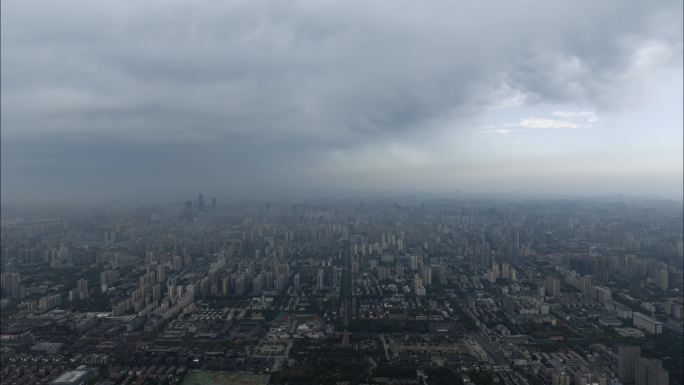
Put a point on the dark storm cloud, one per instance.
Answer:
(205, 90)
(83, 168)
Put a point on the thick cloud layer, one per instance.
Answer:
(115, 98)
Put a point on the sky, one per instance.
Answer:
(164, 99)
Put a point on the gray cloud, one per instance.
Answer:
(265, 92)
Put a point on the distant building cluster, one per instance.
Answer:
(469, 290)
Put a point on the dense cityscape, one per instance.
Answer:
(422, 290)
(341, 192)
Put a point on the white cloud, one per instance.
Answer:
(504, 131)
(561, 120)
(533, 122)
(587, 116)
(653, 54)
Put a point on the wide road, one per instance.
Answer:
(491, 349)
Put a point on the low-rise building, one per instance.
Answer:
(647, 323)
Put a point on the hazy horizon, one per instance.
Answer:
(160, 101)
(328, 197)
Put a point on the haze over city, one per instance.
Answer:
(329, 192)
(157, 100)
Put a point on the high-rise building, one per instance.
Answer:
(11, 285)
(526, 251)
(417, 282)
(413, 260)
(225, 286)
(280, 282)
(561, 378)
(505, 270)
(439, 274)
(239, 284)
(602, 293)
(585, 285)
(399, 269)
(268, 280)
(72, 295)
(490, 275)
(296, 283)
(105, 281)
(156, 292)
(82, 287)
(177, 263)
(627, 356)
(509, 304)
(649, 371)
(200, 202)
(319, 279)
(427, 275)
(161, 273)
(257, 285)
(662, 279)
(552, 286)
(541, 291)
(337, 276)
(418, 286)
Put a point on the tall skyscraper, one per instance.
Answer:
(200, 202)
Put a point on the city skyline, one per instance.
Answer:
(341, 192)
(467, 291)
